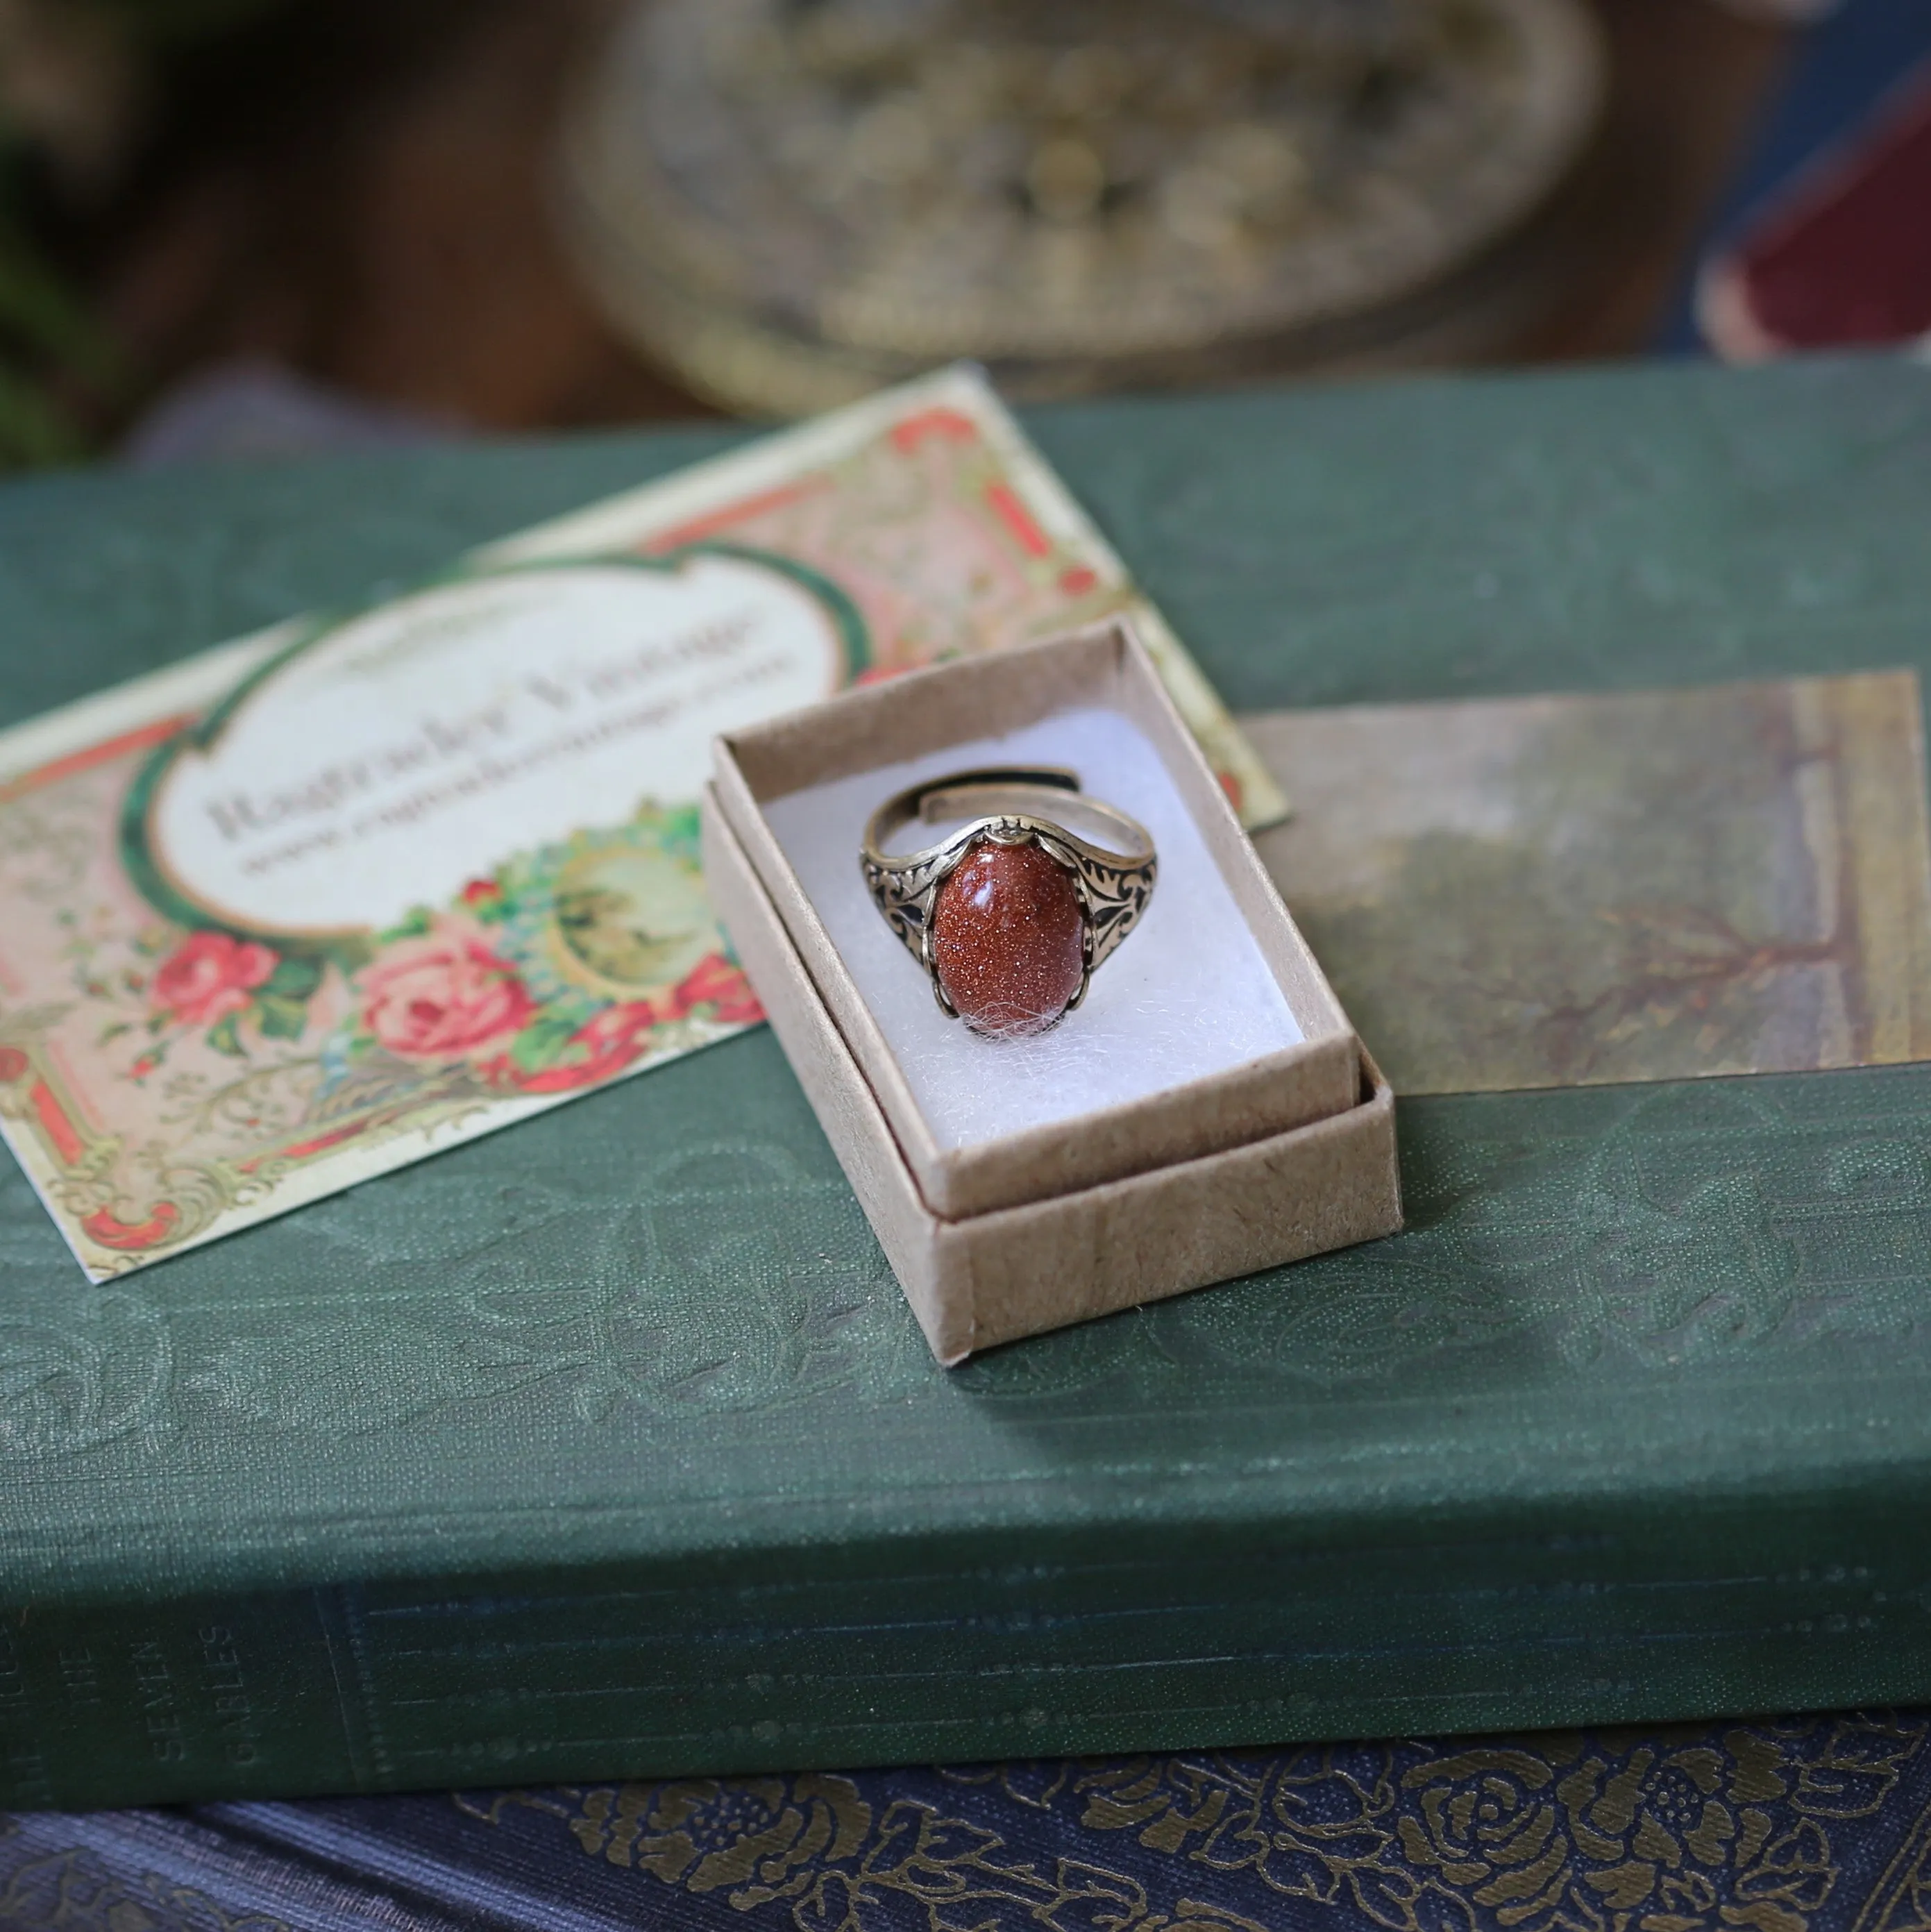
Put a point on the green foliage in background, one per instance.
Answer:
(49, 344)
(73, 74)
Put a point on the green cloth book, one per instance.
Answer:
(607, 1445)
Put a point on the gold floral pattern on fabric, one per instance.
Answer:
(1715, 1828)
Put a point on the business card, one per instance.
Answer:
(322, 902)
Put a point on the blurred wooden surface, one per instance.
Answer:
(1690, 81)
(361, 193)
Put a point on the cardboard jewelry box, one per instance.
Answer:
(1208, 1112)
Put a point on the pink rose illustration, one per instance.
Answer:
(209, 976)
(444, 995)
(715, 982)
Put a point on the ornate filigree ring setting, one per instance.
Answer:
(1013, 913)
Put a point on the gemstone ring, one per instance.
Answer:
(1012, 914)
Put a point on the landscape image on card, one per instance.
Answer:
(1571, 890)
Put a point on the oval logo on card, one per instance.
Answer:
(382, 761)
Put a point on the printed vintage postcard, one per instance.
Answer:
(315, 905)
(1657, 885)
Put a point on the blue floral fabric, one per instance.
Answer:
(1813, 1824)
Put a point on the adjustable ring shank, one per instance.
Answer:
(1047, 793)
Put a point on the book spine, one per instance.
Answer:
(155, 1701)
(965, 1648)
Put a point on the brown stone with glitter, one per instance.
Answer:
(1008, 939)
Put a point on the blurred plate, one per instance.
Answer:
(793, 201)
